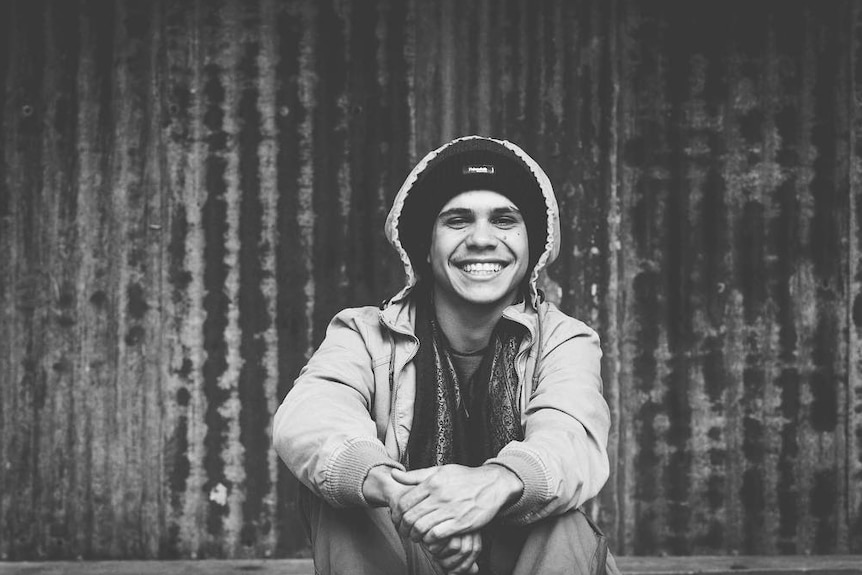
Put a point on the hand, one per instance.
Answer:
(458, 554)
(451, 500)
(380, 489)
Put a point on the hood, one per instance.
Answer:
(552, 244)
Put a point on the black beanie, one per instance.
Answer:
(466, 165)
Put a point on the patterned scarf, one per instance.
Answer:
(463, 422)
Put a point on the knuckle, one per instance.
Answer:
(449, 563)
(421, 525)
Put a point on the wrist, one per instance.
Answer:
(377, 487)
(509, 485)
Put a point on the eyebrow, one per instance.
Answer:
(508, 210)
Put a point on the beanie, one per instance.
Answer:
(467, 165)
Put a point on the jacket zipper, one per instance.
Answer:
(394, 388)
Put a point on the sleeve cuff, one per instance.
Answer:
(531, 471)
(348, 469)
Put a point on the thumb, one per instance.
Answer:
(414, 477)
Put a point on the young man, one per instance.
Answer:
(459, 427)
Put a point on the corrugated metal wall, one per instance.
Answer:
(190, 190)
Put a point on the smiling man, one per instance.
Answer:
(460, 426)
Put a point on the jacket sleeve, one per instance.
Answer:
(563, 460)
(323, 429)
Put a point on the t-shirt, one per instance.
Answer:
(466, 365)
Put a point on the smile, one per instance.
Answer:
(483, 268)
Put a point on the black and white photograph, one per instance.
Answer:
(430, 287)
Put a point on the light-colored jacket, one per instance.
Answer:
(351, 408)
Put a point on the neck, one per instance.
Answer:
(468, 327)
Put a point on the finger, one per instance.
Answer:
(407, 501)
(450, 563)
(451, 546)
(414, 477)
(474, 554)
(468, 560)
(423, 524)
(409, 519)
(463, 566)
(437, 549)
(443, 530)
(445, 549)
(422, 518)
(461, 546)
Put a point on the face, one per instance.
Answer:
(479, 252)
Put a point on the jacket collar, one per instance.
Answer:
(399, 313)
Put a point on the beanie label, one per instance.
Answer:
(478, 169)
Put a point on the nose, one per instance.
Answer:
(482, 236)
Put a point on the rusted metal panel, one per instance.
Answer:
(736, 181)
(190, 190)
(853, 407)
(97, 302)
(27, 295)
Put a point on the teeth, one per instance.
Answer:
(482, 268)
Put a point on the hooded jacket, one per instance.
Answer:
(351, 408)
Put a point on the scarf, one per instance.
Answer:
(463, 422)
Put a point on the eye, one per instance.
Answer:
(456, 222)
(506, 221)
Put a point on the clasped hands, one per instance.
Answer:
(443, 508)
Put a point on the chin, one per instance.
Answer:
(486, 298)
